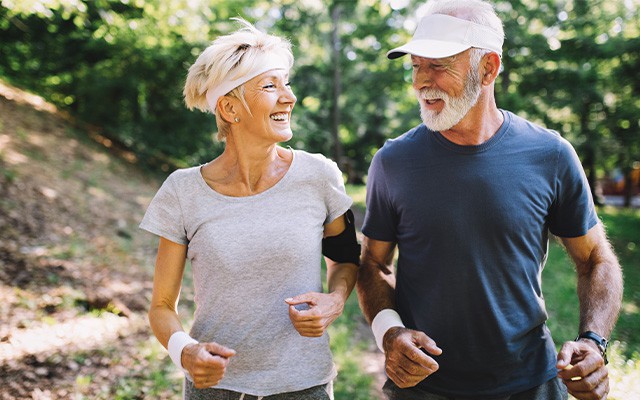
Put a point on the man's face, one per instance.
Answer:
(447, 89)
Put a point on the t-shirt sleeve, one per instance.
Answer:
(336, 198)
(164, 214)
(573, 212)
(380, 220)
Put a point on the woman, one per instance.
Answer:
(252, 222)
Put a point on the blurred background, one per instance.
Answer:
(92, 120)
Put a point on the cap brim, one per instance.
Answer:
(428, 49)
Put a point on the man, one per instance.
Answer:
(468, 198)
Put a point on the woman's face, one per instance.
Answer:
(271, 101)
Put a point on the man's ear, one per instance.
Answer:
(491, 63)
(228, 108)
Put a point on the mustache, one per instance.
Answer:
(426, 94)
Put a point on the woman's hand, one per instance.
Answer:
(206, 363)
(322, 309)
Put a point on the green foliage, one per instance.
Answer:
(570, 66)
(120, 65)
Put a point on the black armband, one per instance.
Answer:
(343, 248)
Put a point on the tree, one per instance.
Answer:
(120, 65)
(559, 69)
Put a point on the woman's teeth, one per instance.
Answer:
(279, 117)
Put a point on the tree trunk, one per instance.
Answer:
(628, 187)
(337, 84)
(589, 152)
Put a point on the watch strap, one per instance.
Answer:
(600, 341)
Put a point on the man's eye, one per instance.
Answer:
(288, 84)
(269, 86)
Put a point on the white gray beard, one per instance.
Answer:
(455, 108)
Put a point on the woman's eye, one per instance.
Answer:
(288, 84)
(269, 86)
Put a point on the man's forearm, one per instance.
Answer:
(600, 294)
(375, 287)
(599, 280)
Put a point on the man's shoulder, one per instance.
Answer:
(407, 140)
(530, 129)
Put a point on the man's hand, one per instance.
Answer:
(320, 311)
(406, 362)
(582, 369)
(206, 363)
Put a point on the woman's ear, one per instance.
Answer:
(228, 108)
(491, 68)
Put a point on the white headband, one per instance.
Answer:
(271, 62)
(440, 36)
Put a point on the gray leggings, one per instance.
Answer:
(551, 390)
(322, 392)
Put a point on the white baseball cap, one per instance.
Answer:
(440, 36)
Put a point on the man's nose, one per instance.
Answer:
(421, 78)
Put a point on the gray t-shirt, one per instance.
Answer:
(248, 254)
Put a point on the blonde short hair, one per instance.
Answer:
(230, 57)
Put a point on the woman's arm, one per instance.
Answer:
(205, 362)
(163, 316)
(324, 308)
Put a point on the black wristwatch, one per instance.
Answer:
(601, 342)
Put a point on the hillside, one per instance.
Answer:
(75, 271)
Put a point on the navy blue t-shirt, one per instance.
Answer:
(471, 224)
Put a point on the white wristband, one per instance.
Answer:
(178, 341)
(383, 321)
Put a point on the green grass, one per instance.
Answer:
(352, 382)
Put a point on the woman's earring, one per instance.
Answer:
(236, 119)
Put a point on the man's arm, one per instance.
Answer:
(376, 280)
(599, 280)
(600, 295)
(406, 363)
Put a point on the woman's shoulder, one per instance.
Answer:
(315, 162)
(183, 176)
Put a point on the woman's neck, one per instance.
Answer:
(247, 170)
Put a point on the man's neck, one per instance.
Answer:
(478, 126)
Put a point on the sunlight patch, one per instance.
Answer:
(84, 333)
